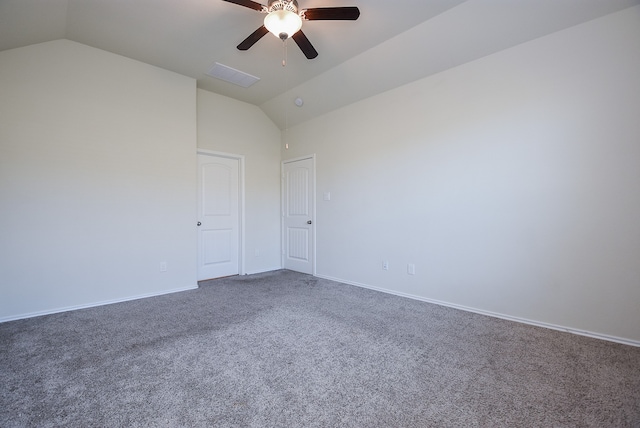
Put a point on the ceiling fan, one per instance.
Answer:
(284, 20)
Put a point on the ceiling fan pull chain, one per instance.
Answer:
(284, 52)
(286, 88)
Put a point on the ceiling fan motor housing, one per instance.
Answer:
(288, 5)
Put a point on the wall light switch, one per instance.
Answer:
(327, 196)
(163, 266)
(411, 269)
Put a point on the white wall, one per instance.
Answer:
(230, 126)
(512, 183)
(97, 179)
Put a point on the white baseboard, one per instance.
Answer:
(91, 305)
(489, 313)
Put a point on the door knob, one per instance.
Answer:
(199, 224)
(309, 222)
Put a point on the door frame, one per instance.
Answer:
(313, 213)
(241, 213)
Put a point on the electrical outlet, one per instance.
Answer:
(411, 269)
(163, 266)
(257, 252)
(385, 265)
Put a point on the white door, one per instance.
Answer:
(297, 212)
(218, 216)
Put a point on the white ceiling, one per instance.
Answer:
(393, 43)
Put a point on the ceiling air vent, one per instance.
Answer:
(232, 75)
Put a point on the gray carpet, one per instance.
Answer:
(284, 349)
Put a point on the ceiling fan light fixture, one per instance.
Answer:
(283, 23)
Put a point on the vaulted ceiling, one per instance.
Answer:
(393, 42)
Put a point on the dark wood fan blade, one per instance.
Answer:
(350, 13)
(253, 38)
(247, 3)
(305, 45)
